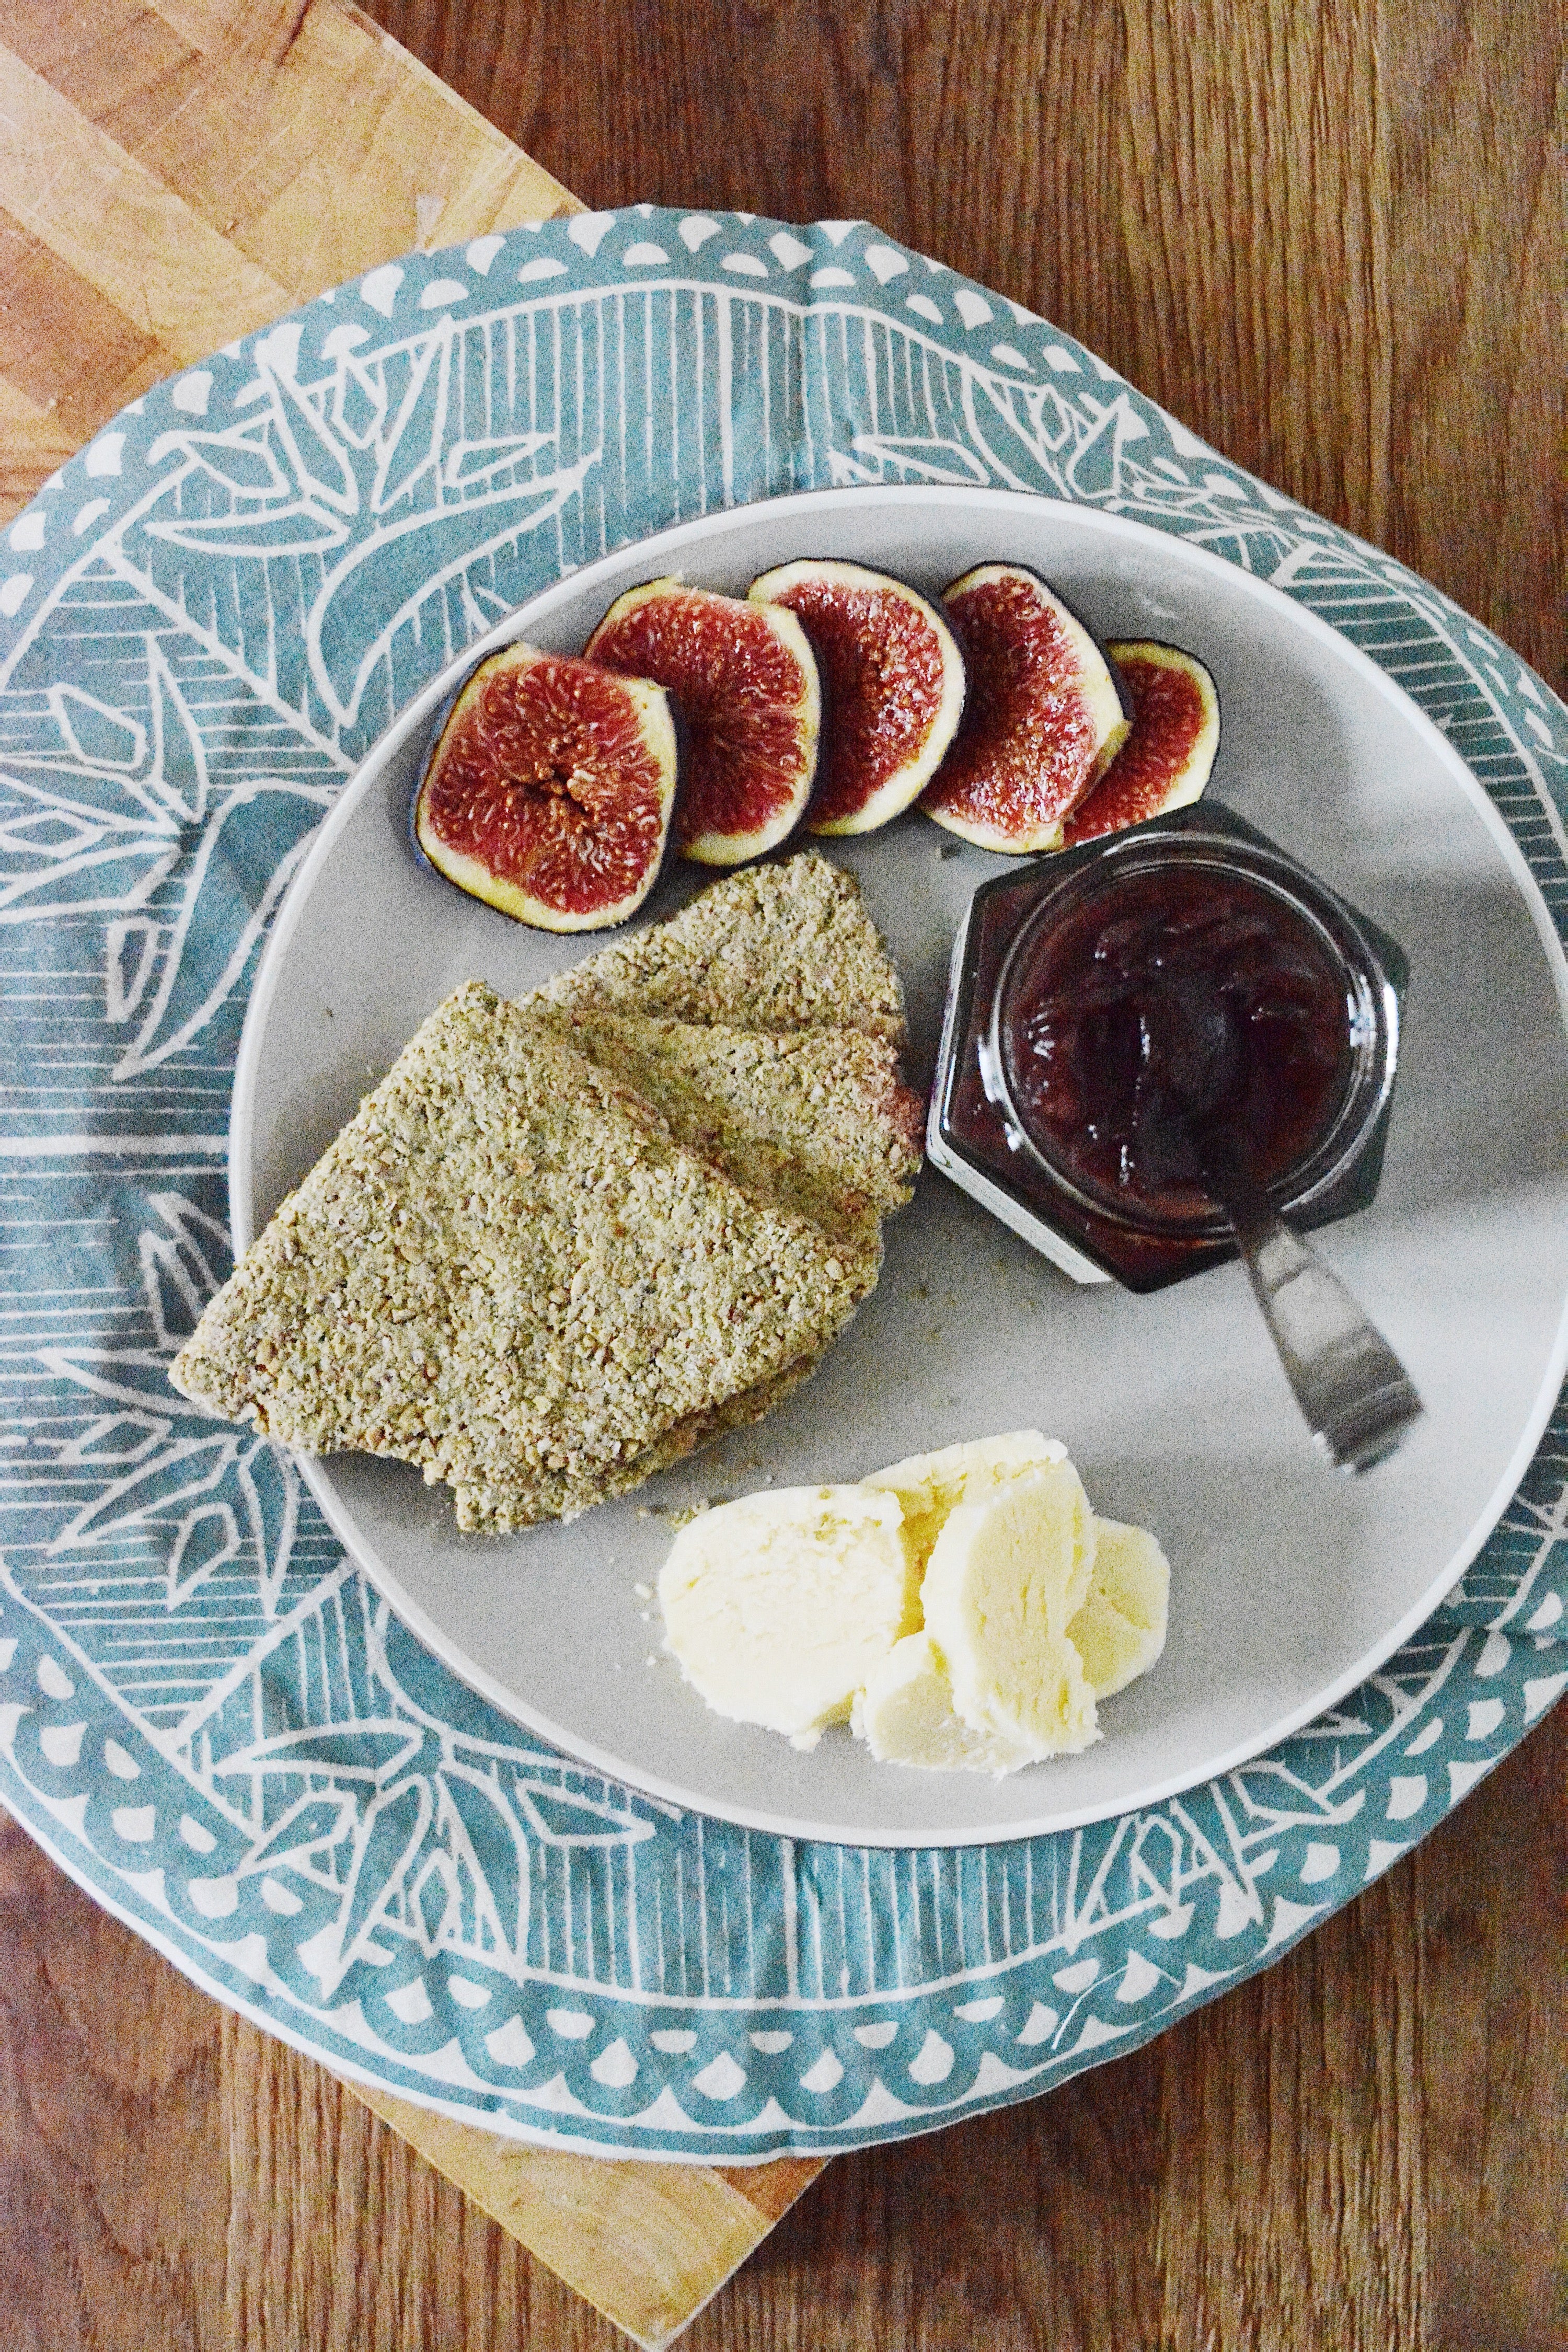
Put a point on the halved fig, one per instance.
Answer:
(1166, 758)
(745, 684)
(549, 794)
(894, 682)
(1044, 720)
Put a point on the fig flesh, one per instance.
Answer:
(1166, 760)
(1044, 720)
(549, 794)
(893, 685)
(745, 682)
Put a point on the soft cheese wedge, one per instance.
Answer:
(930, 1485)
(779, 1606)
(1121, 1629)
(987, 1647)
(906, 1715)
(1006, 1578)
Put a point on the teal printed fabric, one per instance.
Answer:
(206, 1713)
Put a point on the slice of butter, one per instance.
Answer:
(906, 1715)
(1005, 1580)
(929, 1486)
(1119, 1630)
(779, 1606)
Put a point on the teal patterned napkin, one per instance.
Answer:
(205, 1714)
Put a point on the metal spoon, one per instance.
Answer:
(1355, 1394)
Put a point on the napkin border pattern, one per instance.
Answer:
(205, 1714)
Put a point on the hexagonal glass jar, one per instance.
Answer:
(985, 1133)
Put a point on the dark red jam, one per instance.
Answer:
(1176, 999)
(1119, 1012)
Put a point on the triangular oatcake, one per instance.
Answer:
(783, 945)
(506, 1270)
(783, 952)
(816, 1121)
(813, 1121)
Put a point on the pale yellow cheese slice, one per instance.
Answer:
(1119, 1630)
(929, 1486)
(779, 1606)
(906, 1715)
(1005, 1580)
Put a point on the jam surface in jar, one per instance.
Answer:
(1176, 999)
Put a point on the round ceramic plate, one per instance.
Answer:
(1289, 1584)
(208, 1713)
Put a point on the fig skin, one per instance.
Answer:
(876, 756)
(1047, 713)
(549, 790)
(745, 687)
(1167, 759)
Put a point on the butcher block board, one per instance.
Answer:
(645, 2243)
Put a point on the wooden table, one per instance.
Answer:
(1321, 232)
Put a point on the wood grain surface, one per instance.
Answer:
(647, 2244)
(1359, 2151)
(172, 175)
(1326, 235)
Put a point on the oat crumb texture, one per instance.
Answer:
(779, 947)
(565, 1240)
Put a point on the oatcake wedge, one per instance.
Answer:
(817, 1121)
(785, 946)
(507, 1270)
(784, 954)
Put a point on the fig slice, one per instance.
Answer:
(1166, 758)
(1044, 720)
(745, 684)
(549, 794)
(894, 684)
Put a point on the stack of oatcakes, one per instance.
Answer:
(566, 1240)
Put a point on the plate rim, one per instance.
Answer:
(360, 786)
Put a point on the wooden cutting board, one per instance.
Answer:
(171, 176)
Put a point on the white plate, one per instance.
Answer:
(1290, 1585)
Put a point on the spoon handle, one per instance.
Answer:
(1354, 1392)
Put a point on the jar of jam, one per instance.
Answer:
(1106, 1004)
